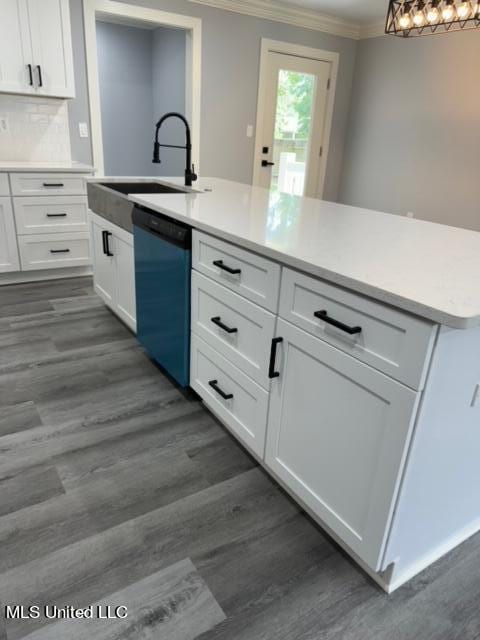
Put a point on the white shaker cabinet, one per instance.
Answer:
(337, 436)
(114, 268)
(16, 76)
(9, 260)
(36, 48)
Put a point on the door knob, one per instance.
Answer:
(266, 163)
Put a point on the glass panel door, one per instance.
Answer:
(292, 132)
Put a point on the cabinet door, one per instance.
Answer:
(52, 47)
(8, 239)
(125, 280)
(15, 47)
(103, 264)
(337, 437)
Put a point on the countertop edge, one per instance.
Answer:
(436, 316)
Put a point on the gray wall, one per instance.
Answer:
(414, 135)
(126, 98)
(168, 73)
(231, 54)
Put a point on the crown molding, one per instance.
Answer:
(290, 15)
(374, 30)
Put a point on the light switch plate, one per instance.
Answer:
(4, 124)
(250, 131)
(83, 129)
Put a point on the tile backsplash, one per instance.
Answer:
(34, 129)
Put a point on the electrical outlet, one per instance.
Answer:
(4, 124)
(250, 131)
(410, 214)
(83, 129)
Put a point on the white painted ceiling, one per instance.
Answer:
(359, 11)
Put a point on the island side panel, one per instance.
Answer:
(438, 506)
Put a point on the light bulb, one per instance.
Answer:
(404, 21)
(463, 10)
(433, 15)
(447, 12)
(418, 19)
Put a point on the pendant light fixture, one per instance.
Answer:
(424, 17)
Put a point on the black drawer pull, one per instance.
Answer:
(217, 320)
(56, 215)
(53, 184)
(30, 74)
(323, 315)
(273, 356)
(40, 78)
(59, 250)
(220, 265)
(215, 387)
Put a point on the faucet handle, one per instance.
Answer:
(193, 174)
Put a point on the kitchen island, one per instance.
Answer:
(352, 373)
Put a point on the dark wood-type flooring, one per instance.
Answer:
(118, 489)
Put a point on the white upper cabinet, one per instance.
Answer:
(36, 48)
(52, 47)
(16, 60)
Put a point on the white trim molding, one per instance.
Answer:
(296, 16)
(289, 48)
(110, 11)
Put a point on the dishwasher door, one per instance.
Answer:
(162, 282)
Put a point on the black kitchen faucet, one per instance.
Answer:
(190, 174)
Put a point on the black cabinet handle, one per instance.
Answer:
(216, 388)
(53, 184)
(59, 250)
(40, 79)
(323, 315)
(273, 356)
(220, 265)
(217, 320)
(266, 163)
(56, 215)
(30, 74)
(106, 246)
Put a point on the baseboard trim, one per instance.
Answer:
(21, 277)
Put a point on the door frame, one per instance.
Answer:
(118, 12)
(289, 48)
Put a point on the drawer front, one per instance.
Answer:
(54, 251)
(254, 277)
(42, 184)
(391, 341)
(237, 328)
(4, 188)
(57, 214)
(244, 409)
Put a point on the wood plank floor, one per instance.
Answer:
(118, 489)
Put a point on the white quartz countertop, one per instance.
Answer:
(428, 269)
(60, 167)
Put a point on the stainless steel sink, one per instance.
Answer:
(128, 188)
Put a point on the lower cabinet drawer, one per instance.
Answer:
(38, 184)
(237, 400)
(58, 250)
(240, 330)
(47, 214)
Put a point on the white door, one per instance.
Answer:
(337, 436)
(52, 47)
(290, 140)
(103, 264)
(8, 238)
(16, 62)
(125, 280)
